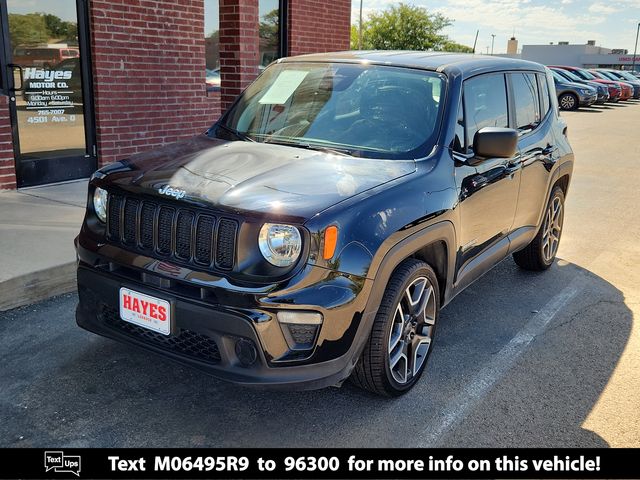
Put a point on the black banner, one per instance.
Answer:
(318, 463)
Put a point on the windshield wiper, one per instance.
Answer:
(345, 152)
(242, 136)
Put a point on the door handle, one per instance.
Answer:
(13, 67)
(548, 150)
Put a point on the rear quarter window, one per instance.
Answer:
(545, 100)
(526, 100)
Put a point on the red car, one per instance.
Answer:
(616, 90)
(627, 89)
(46, 57)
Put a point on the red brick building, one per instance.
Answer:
(87, 82)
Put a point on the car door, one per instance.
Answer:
(534, 120)
(488, 188)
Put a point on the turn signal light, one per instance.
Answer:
(330, 241)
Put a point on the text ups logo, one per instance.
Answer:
(59, 462)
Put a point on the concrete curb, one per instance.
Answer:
(36, 286)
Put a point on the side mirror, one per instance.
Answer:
(495, 142)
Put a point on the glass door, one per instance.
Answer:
(48, 78)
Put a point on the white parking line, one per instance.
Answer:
(486, 378)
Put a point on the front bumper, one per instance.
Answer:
(602, 98)
(588, 99)
(614, 96)
(208, 322)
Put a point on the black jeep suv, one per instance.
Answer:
(316, 230)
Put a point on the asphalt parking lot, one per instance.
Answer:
(520, 359)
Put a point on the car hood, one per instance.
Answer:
(608, 82)
(594, 84)
(579, 85)
(256, 178)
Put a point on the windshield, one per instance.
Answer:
(584, 74)
(558, 76)
(609, 75)
(361, 110)
(627, 75)
(572, 76)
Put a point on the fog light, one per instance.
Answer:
(246, 352)
(300, 328)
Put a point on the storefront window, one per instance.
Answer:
(212, 44)
(269, 49)
(269, 31)
(49, 103)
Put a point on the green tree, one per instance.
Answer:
(406, 27)
(268, 32)
(268, 28)
(27, 29)
(354, 37)
(58, 28)
(449, 46)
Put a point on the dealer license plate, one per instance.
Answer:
(145, 311)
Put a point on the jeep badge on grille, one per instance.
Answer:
(172, 192)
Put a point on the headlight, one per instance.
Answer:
(100, 204)
(279, 244)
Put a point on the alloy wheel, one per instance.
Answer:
(552, 229)
(568, 102)
(411, 330)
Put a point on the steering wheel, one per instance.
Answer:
(373, 132)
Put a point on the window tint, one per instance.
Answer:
(544, 94)
(525, 95)
(458, 139)
(485, 103)
(371, 111)
(557, 76)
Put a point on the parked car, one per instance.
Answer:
(615, 89)
(616, 75)
(603, 91)
(45, 57)
(573, 95)
(627, 89)
(314, 233)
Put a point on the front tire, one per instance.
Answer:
(397, 350)
(568, 101)
(541, 252)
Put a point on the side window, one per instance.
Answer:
(458, 139)
(485, 103)
(545, 101)
(525, 95)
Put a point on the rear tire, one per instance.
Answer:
(541, 252)
(397, 350)
(568, 101)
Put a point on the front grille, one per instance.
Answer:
(186, 343)
(183, 234)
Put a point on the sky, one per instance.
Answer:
(65, 9)
(611, 23)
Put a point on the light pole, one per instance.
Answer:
(360, 28)
(635, 51)
(493, 39)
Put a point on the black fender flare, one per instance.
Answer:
(385, 266)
